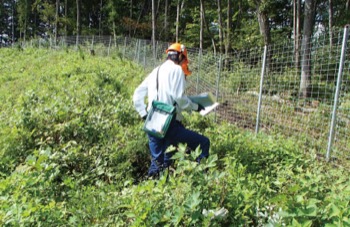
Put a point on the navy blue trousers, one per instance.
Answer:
(176, 134)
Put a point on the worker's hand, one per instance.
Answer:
(200, 108)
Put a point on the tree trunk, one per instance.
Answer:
(130, 16)
(297, 31)
(78, 21)
(166, 24)
(305, 82)
(25, 21)
(201, 26)
(228, 29)
(221, 37)
(56, 20)
(66, 17)
(138, 19)
(153, 29)
(207, 27)
(12, 22)
(100, 20)
(330, 23)
(264, 27)
(177, 20)
(114, 31)
(35, 22)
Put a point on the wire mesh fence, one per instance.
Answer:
(255, 87)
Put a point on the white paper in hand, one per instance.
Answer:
(208, 109)
(207, 100)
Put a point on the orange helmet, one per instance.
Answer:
(180, 48)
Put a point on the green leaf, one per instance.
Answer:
(334, 211)
(331, 225)
(193, 201)
(279, 198)
(310, 211)
(306, 223)
(177, 216)
(346, 221)
(295, 223)
(211, 162)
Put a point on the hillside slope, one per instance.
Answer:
(72, 153)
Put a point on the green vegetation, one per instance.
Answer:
(72, 154)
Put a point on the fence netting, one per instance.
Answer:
(236, 80)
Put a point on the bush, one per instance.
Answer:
(73, 153)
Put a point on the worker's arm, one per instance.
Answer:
(139, 98)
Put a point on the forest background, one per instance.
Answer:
(222, 25)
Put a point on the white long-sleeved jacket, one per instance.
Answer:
(171, 88)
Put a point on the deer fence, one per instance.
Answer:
(258, 88)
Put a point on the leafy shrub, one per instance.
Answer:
(73, 153)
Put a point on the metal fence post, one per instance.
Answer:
(155, 49)
(136, 58)
(336, 97)
(109, 45)
(144, 55)
(124, 48)
(77, 42)
(261, 90)
(218, 80)
(199, 69)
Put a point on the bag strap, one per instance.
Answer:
(158, 84)
(157, 81)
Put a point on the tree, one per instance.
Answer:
(250, 22)
(263, 20)
(309, 23)
(78, 32)
(296, 32)
(205, 23)
(228, 28)
(221, 36)
(201, 25)
(6, 21)
(56, 19)
(100, 19)
(341, 13)
(13, 3)
(3, 15)
(65, 17)
(153, 29)
(23, 11)
(330, 22)
(166, 23)
(177, 24)
(112, 15)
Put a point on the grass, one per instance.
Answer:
(73, 153)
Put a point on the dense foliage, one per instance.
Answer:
(72, 153)
(238, 20)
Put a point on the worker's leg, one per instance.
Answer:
(179, 134)
(157, 148)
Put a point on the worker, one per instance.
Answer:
(171, 88)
